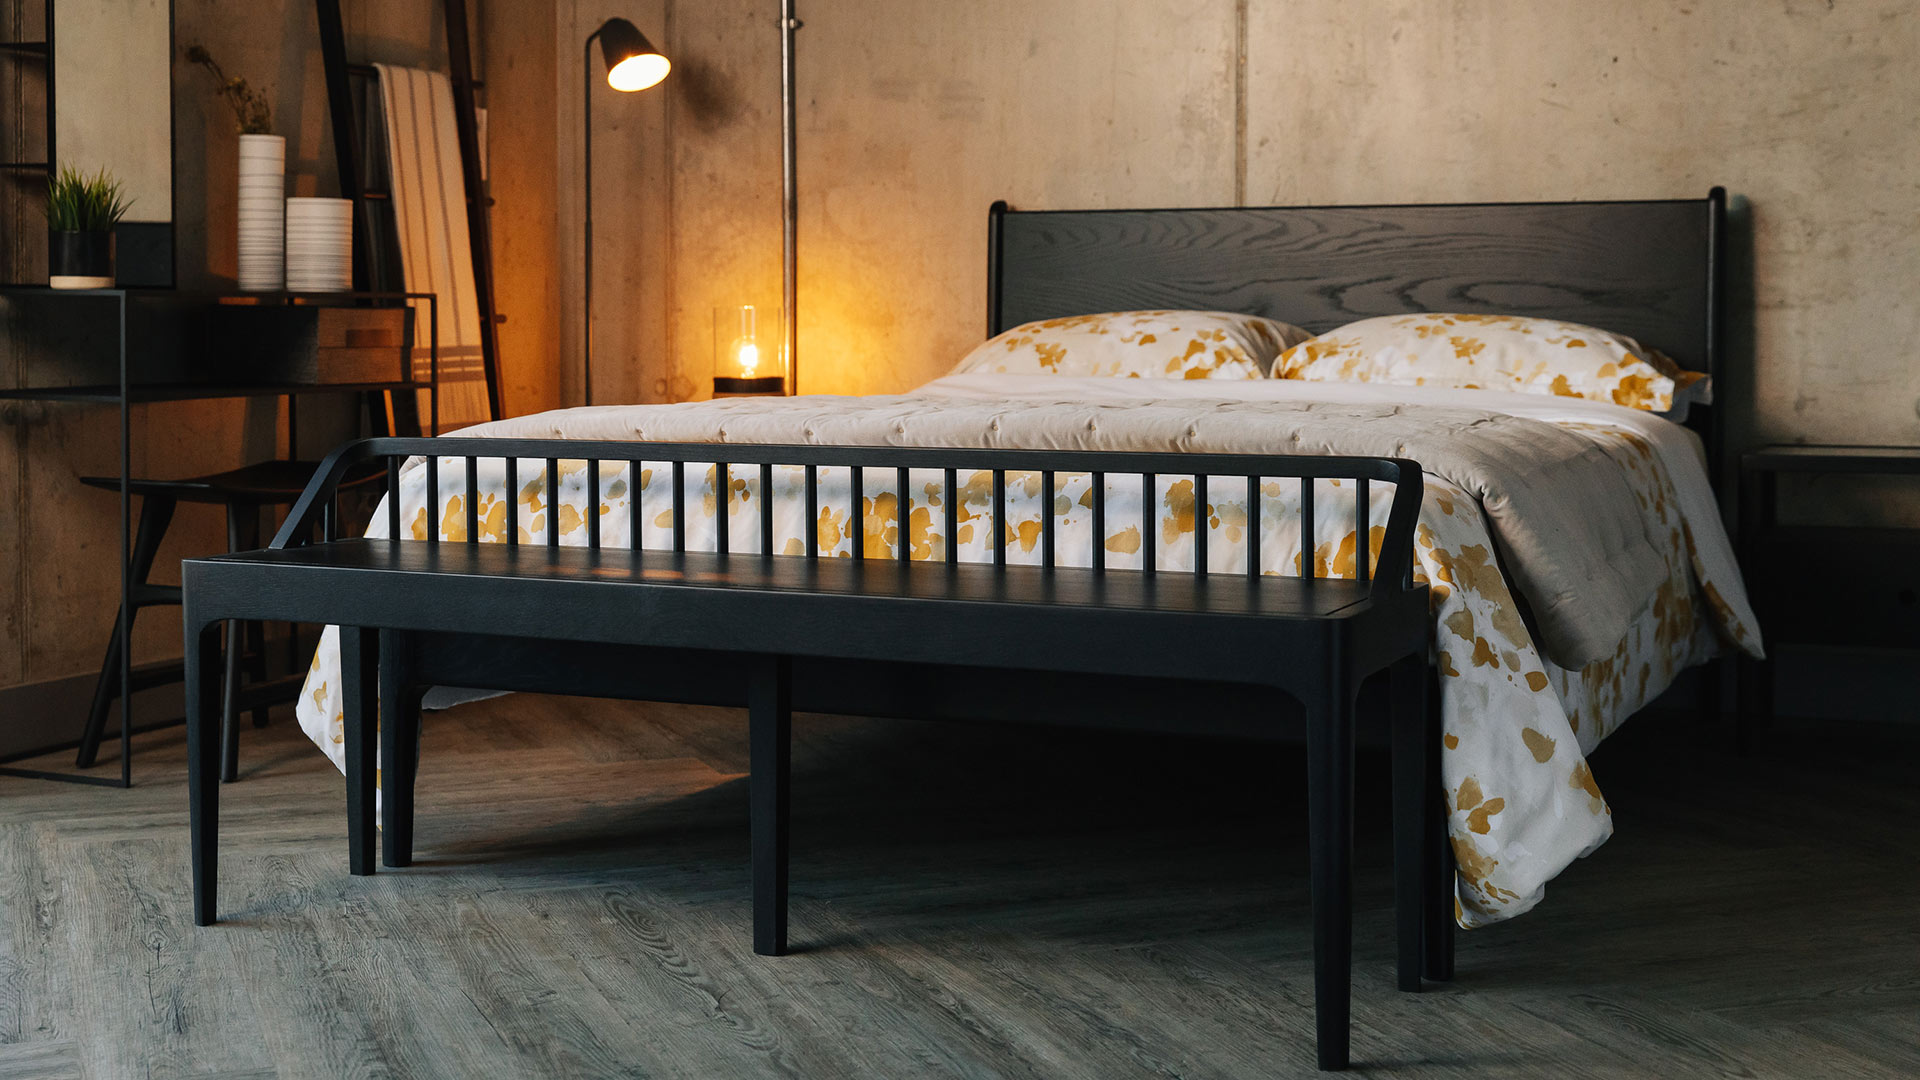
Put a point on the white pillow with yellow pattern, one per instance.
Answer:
(1138, 345)
(1497, 352)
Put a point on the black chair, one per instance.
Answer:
(245, 492)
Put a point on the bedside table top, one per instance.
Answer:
(1786, 457)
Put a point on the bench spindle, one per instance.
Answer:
(903, 511)
(1149, 522)
(1253, 527)
(766, 509)
(433, 499)
(1200, 528)
(593, 503)
(1306, 527)
(1046, 519)
(952, 507)
(857, 513)
(722, 511)
(680, 507)
(812, 527)
(513, 501)
(1097, 558)
(393, 498)
(999, 537)
(636, 521)
(473, 500)
(553, 502)
(1362, 547)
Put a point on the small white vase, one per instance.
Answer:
(263, 208)
(319, 245)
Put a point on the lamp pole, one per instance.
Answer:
(586, 142)
(632, 64)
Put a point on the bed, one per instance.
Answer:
(1528, 684)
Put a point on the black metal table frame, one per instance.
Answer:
(127, 394)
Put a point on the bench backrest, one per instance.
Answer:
(319, 504)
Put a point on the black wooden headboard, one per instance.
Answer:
(1653, 270)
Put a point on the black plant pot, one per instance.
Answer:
(80, 260)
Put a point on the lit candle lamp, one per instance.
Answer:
(739, 365)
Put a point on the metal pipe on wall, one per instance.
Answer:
(789, 204)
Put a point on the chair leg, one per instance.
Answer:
(360, 686)
(399, 748)
(1330, 838)
(1437, 863)
(1412, 809)
(203, 749)
(156, 513)
(770, 726)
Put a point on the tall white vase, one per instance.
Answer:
(263, 208)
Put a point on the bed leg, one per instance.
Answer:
(1412, 813)
(770, 726)
(1330, 837)
(203, 766)
(399, 748)
(360, 686)
(1437, 860)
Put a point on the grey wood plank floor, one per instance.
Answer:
(975, 902)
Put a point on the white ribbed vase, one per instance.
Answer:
(263, 209)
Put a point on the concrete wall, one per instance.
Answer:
(58, 545)
(915, 115)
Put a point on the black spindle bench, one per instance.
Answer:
(1247, 655)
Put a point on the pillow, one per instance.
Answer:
(1495, 352)
(1139, 345)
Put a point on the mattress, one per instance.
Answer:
(1574, 549)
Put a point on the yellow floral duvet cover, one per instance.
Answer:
(1517, 727)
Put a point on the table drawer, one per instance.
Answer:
(1837, 586)
(313, 344)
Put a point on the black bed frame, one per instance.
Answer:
(1651, 270)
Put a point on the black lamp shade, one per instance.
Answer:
(632, 61)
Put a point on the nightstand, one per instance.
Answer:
(1831, 585)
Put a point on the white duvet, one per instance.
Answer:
(1601, 515)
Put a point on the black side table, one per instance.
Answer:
(1834, 585)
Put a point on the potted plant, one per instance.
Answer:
(262, 184)
(81, 213)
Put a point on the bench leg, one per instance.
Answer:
(360, 686)
(1413, 807)
(399, 748)
(1437, 860)
(203, 765)
(770, 726)
(1330, 837)
(229, 694)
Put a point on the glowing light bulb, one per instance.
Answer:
(748, 358)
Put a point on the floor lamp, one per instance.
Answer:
(632, 64)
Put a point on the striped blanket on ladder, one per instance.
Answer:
(430, 219)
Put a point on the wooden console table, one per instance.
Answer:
(125, 347)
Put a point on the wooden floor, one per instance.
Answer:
(967, 902)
